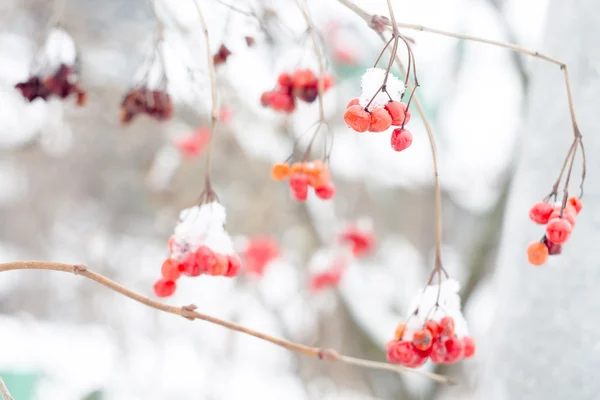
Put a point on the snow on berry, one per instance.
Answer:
(200, 245)
(371, 82)
(435, 329)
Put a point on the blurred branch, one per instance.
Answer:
(4, 393)
(190, 313)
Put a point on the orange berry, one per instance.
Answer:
(314, 168)
(280, 171)
(297, 168)
(170, 269)
(399, 331)
(221, 266)
(558, 230)
(357, 118)
(320, 180)
(399, 112)
(537, 253)
(576, 203)
(423, 339)
(380, 120)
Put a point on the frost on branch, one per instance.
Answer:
(435, 329)
(54, 70)
(371, 83)
(200, 245)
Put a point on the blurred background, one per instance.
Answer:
(78, 187)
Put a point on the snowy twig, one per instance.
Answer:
(214, 101)
(190, 313)
(4, 393)
(370, 19)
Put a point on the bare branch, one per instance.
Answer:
(190, 313)
(4, 393)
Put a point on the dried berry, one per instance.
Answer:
(380, 120)
(399, 112)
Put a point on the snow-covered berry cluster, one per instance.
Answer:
(302, 175)
(200, 245)
(435, 330)
(156, 104)
(54, 73)
(303, 84)
(559, 225)
(379, 107)
(353, 242)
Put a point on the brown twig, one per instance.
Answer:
(214, 100)
(190, 313)
(4, 393)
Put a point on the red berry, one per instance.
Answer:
(454, 350)
(327, 82)
(353, 102)
(357, 118)
(205, 259)
(558, 230)
(285, 81)
(422, 339)
(361, 242)
(469, 346)
(281, 101)
(380, 120)
(540, 212)
(234, 265)
(190, 265)
(266, 98)
(325, 192)
(438, 352)
(221, 265)
(446, 328)
(164, 287)
(170, 269)
(299, 186)
(569, 216)
(326, 279)
(398, 111)
(434, 328)
(553, 248)
(576, 203)
(303, 78)
(401, 139)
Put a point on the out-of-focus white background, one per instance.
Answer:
(75, 186)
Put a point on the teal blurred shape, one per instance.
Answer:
(22, 385)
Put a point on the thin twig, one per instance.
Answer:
(214, 100)
(190, 313)
(4, 393)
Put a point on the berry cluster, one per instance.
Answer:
(303, 84)
(435, 329)
(303, 175)
(360, 240)
(155, 103)
(259, 252)
(436, 340)
(199, 246)
(62, 83)
(374, 113)
(559, 225)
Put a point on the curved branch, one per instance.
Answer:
(190, 313)
(4, 393)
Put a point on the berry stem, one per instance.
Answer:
(562, 171)
(4, 393)
(190, 313)
(213, 90)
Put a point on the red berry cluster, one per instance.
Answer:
(436, 340)
(303, 175)
(155, 103)
(259, 252)
(62, 83)
(395, 113)
(303, 84)
(361, 241)
(202, 261)
(559, 225)
(193, 145)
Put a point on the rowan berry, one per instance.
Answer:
(170, 269)
(558, 230)
(469, 346)
(206, 259)
(400, 331)
(164, 287)
(446, 327)
(357, 118)
(434, 328)
(568, 215)
(537, 253)
(299, 186)
(553, 248)
(221, 265)
(401, 139)
(380, 120)
(576, 203)
(353, 102)
(285, 80)
(190, 265)
(540, 212)
(297, 167)
(403, 353)
(438, 352)
(280, 171)
(454, 350)
(423, 339)
(399, 112)
(320, 180)
(325, 192)
(234, 265)
(303, 78)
